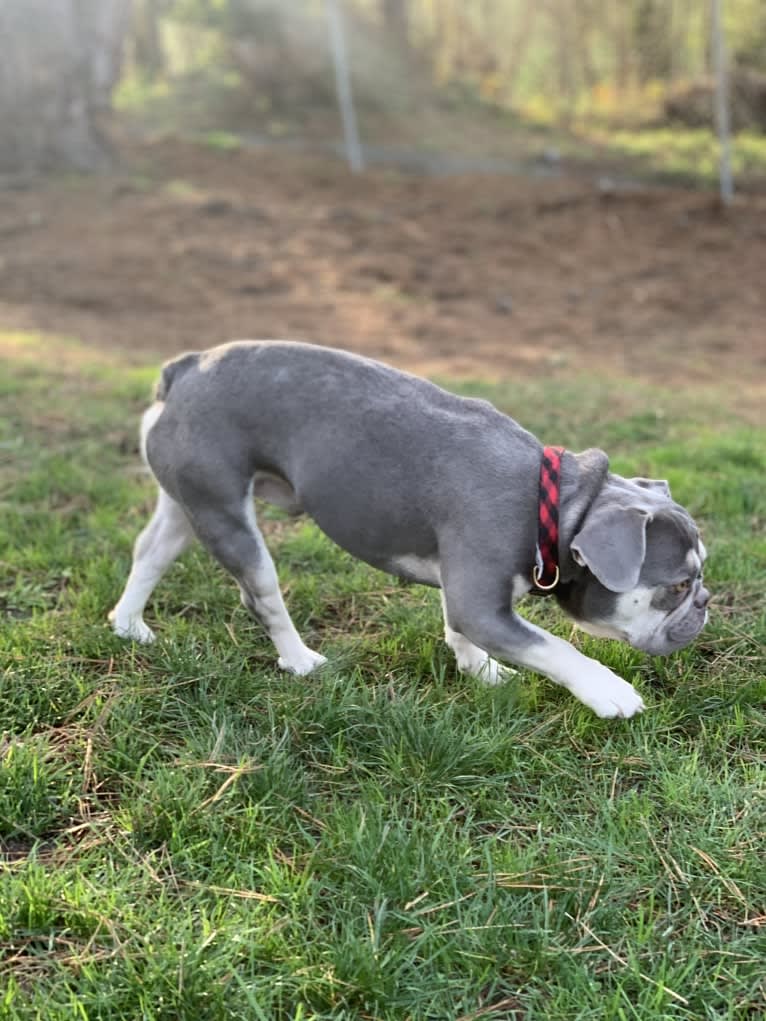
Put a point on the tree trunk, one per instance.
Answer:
(520, 39)
(620, 41)
(652, 39)
(396, 19)
(562, 12)
(61, 59)
(148, 52)
(583, 22)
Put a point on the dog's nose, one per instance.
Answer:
(701, 598)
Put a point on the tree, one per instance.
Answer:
(653, 39)
(146, 36)
(61, 60)
(396, 19)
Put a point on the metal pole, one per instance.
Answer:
(721, 102)
(343, 86)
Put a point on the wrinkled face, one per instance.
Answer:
(668, 607)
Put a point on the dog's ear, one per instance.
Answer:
(612, 545)
(656, 485)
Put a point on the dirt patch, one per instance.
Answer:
(482, 276)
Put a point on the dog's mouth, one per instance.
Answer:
(678, 631)
(671, 632)
(637, 620)
(687, 629)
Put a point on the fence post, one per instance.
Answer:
(718, 45)
(343, 86)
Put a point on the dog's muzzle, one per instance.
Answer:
(682, 625)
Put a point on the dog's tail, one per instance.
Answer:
(173, 370)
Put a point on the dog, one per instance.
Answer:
(435, 488)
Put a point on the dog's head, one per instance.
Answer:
(635, 568)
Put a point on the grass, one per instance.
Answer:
(686, 154)
(189, 834)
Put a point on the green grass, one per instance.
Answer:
(687, 154)
(188, 834)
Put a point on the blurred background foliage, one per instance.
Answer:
(634, 62)
(427, 74)
(484, 80)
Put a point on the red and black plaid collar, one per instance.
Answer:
(545, 574)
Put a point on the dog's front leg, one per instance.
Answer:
(470, 658)
(483, 620)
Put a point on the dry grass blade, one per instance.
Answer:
(235, 774)
(510, 1004)
(621, 961)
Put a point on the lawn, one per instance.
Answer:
(187, 833)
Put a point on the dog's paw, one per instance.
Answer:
(613, 699)
(132, 628)
(302, 662)
(492, 673)
(476, 662)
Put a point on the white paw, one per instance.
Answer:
(303, 662)
(132, 628)
(612, 698)
(488, 671)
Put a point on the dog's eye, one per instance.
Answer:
(682, 586)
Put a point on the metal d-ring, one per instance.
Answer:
(536, 579)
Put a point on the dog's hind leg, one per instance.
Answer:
(229, 531)
(164, 539)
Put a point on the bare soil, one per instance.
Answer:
(487, 277)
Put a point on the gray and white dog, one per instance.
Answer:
(414, 480)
